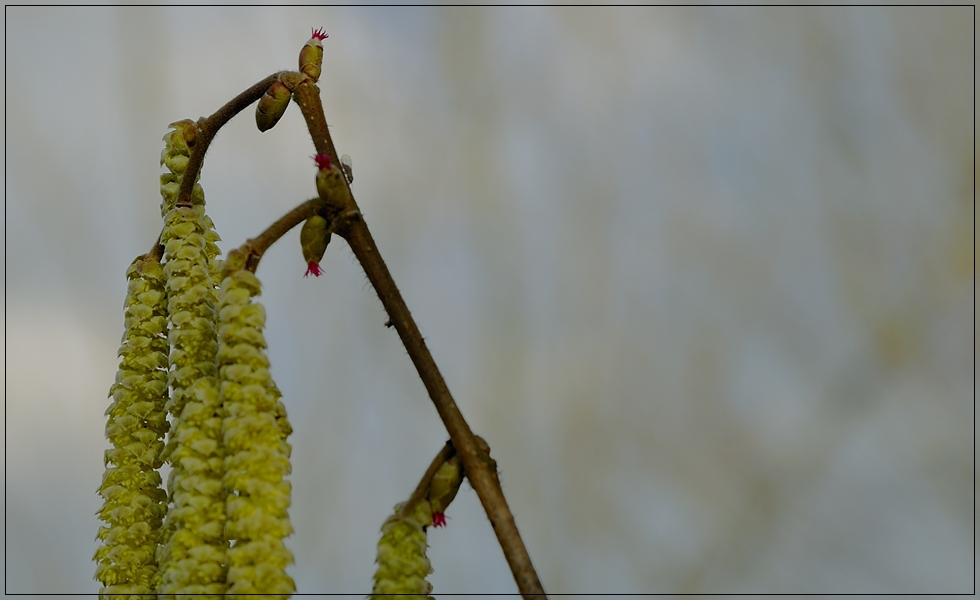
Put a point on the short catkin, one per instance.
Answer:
(402, 563)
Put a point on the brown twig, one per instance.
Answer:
(479, 467)
(207, 128)
(255, 247)
(307, 96)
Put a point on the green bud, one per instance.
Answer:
(272, 105)
(311, 56)
(443, 488)
(313, 239)
(330, 182)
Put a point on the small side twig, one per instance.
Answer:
(255, 247)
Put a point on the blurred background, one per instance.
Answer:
(703, 278)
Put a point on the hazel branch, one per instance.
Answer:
(208, 128)
(479, 467)
(347, 222)
(307, 96)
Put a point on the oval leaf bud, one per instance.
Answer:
(272, 105)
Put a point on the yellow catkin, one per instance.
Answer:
(255, 430)
(193, 557)
(134, 502)
(402, 563)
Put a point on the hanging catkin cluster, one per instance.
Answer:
(134, 503)
(194, 350)
(227, 446)
(254, 431)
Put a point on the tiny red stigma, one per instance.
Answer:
(322, 161)
(320, 34)
(314, 269)
(438, 519)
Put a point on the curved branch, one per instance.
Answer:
(207, 128)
